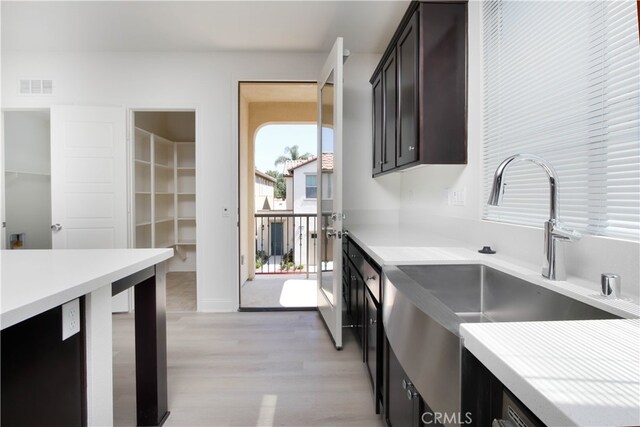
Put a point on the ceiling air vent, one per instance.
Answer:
(36, 87)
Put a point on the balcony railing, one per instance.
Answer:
(286, 243)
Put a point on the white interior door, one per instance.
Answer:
(89, 181)
(329, 198)
(3, 225)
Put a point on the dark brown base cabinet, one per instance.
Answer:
(43, 376)
(362, 300)
(403, 406)
(420, 90)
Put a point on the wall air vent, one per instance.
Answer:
(36, 87)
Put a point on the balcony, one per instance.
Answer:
(286, 254)
(287, 243)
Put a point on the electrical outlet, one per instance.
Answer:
(70, 318)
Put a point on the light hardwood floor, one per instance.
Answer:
(251, 369)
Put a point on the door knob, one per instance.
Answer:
(56, 227)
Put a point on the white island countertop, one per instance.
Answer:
(583, 373)
(33, 281)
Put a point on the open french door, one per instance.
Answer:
(329, 260)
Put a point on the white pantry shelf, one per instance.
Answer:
(165, 205)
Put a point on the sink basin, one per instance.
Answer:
(476, 293)
(424, 306)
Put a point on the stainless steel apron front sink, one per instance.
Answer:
(424, 306)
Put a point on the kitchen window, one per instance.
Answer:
(561, 80)
(311, 187)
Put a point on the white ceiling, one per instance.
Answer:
(292, 26)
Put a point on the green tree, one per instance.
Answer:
(281, 187)
(293, 154)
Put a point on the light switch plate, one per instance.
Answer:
(70, 318)
(457, 197)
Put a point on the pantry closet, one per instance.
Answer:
(165, 196)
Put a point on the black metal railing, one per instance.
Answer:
(286, 243)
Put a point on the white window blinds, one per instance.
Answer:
(561, 80)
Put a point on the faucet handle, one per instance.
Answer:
(611, 285)
(559, 232)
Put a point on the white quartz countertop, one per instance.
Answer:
(584, 373)
(568, 372)
(33, 281)
(396, 245)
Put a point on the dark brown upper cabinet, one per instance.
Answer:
(377, 125)
(390, 89)
(420, 110)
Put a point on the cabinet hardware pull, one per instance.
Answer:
(371, 278)
(372, 321)
(411, 148)
(411, 393)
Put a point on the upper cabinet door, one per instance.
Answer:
(389, 78)
(407, 51)
(377, 125)
(88, 178)
(443, 96)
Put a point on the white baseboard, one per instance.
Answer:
(217, 305)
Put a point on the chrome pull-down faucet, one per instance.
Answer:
(553, 264)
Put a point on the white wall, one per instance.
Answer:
(206, 82)
(264, 189)
(302, 205)
(28, 180)
(365, 200)
(423, 202)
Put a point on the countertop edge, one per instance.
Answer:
(47, 302)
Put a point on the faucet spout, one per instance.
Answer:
(497, 189)
(553, 266)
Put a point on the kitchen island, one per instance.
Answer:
(47, 377)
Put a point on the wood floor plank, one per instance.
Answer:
(250, 369)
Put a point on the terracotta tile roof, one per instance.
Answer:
(327, 163)
(292, 164)
(265, 176)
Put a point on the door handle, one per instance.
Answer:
(336, 234)
(56, 227)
